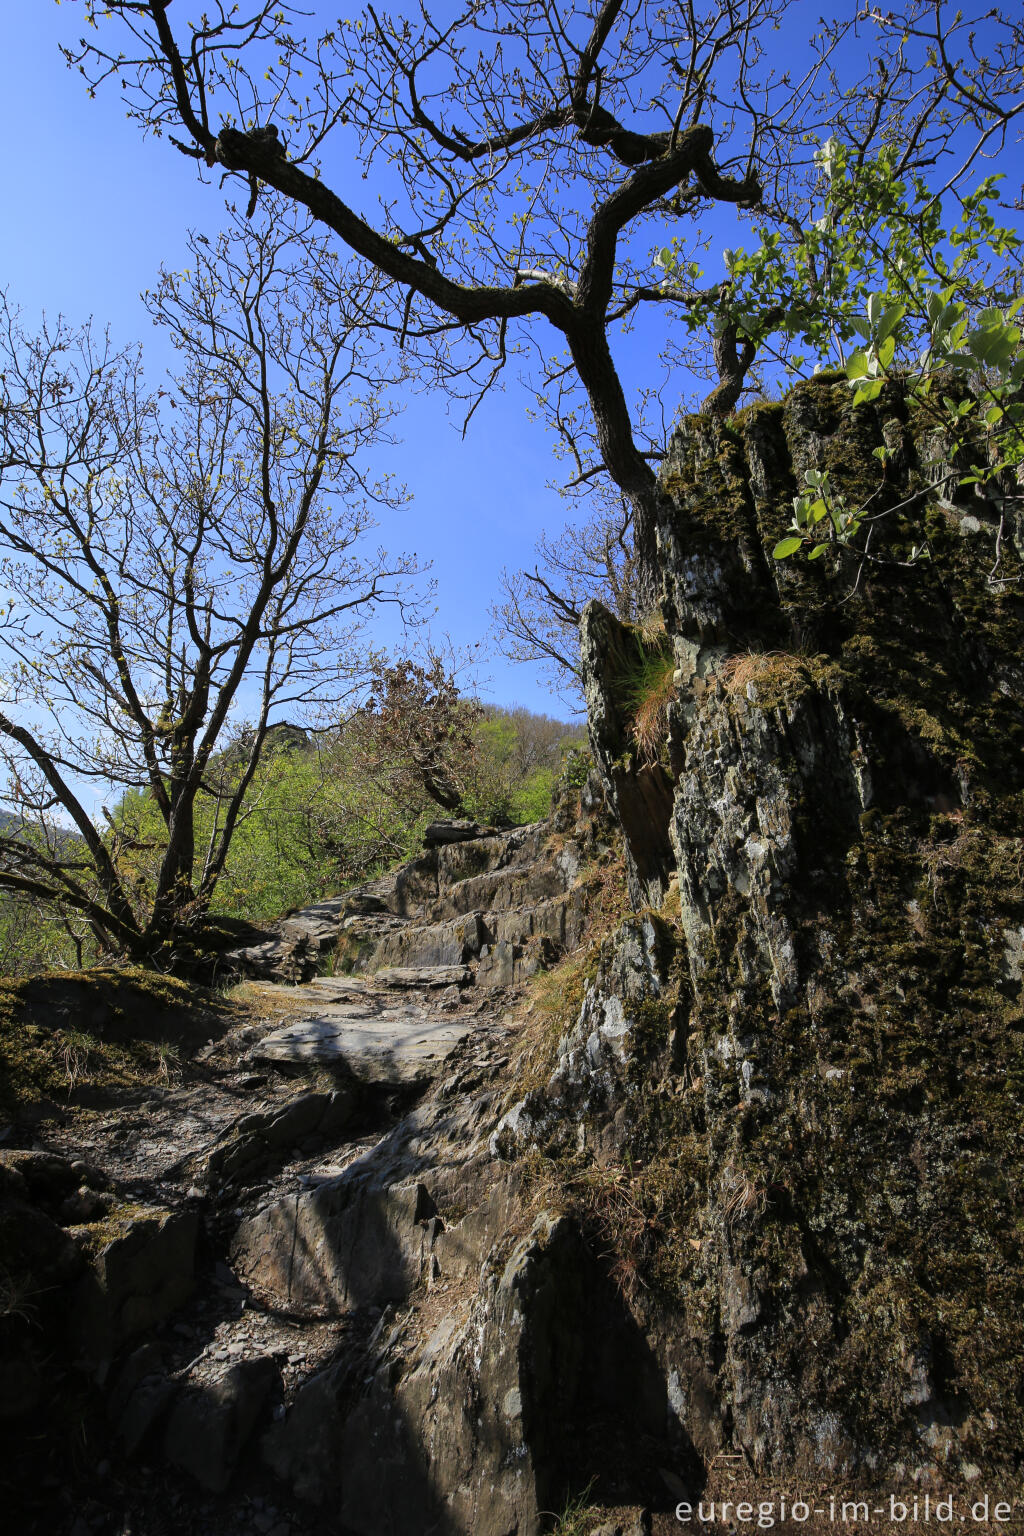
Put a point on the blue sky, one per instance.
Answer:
(91, 211)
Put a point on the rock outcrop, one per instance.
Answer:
(394, 1325)
(497, 903)
(608, 1208)
(826, 1119)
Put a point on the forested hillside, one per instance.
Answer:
(326, 810)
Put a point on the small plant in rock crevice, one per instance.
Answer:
(577, 1516)
(646, 688)
(14, 1296)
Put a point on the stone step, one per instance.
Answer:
(337, 986)
(430, 945)
(561, 920)
(393, 1048)
(500, 890)
(427, 977)
(518, 845)
(441, 832)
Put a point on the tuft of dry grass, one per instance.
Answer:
(555, 999)
(652, 626)
(74, 1053)
(767, 669)
(554, 996)
(743, 1197)
(737, 671)
(13, 1297)
(649, 717)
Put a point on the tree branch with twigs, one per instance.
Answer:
(179, 556)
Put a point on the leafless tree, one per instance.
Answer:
(526, 157)
(537, 614)
(179, 559)
(415, 730)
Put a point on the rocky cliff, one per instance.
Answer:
(829, 1126)
(596, 1204)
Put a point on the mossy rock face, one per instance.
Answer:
(141, 1262)
(827, 1145)
(81, 1038)
(638, 792)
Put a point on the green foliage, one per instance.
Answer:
(883, 285)
(984, 421)
(313, 822)
(645, 689)
(578, 1514)
(517, 761)
(872, 250)
(319, 816)
(576, 767)
(323, 811)
(822, 517)
(33, 939)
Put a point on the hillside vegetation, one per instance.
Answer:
(325, 810)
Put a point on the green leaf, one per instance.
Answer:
(869, 391)
(786, 547)
(857, 366)
(819, 549)
(890, 320)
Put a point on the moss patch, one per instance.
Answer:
(823, 1195)
(115, 1224)
(86, 1038)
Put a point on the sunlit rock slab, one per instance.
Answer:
(396, 1048)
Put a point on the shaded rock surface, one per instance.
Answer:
(210, 1423)
(366, 1269)
(141, 1269)
(397, 1046)
(834, 841)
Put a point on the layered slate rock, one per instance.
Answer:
(351, 1242)
(496, 1375)
(141, 1269)
(639, 791)
(210, 1423)
(460, 830)
(472, 889)
(395, 1046)
(825, 1099)
(256, 1143)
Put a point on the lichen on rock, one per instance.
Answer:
(830, 1145)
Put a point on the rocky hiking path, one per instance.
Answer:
(257, 1248)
